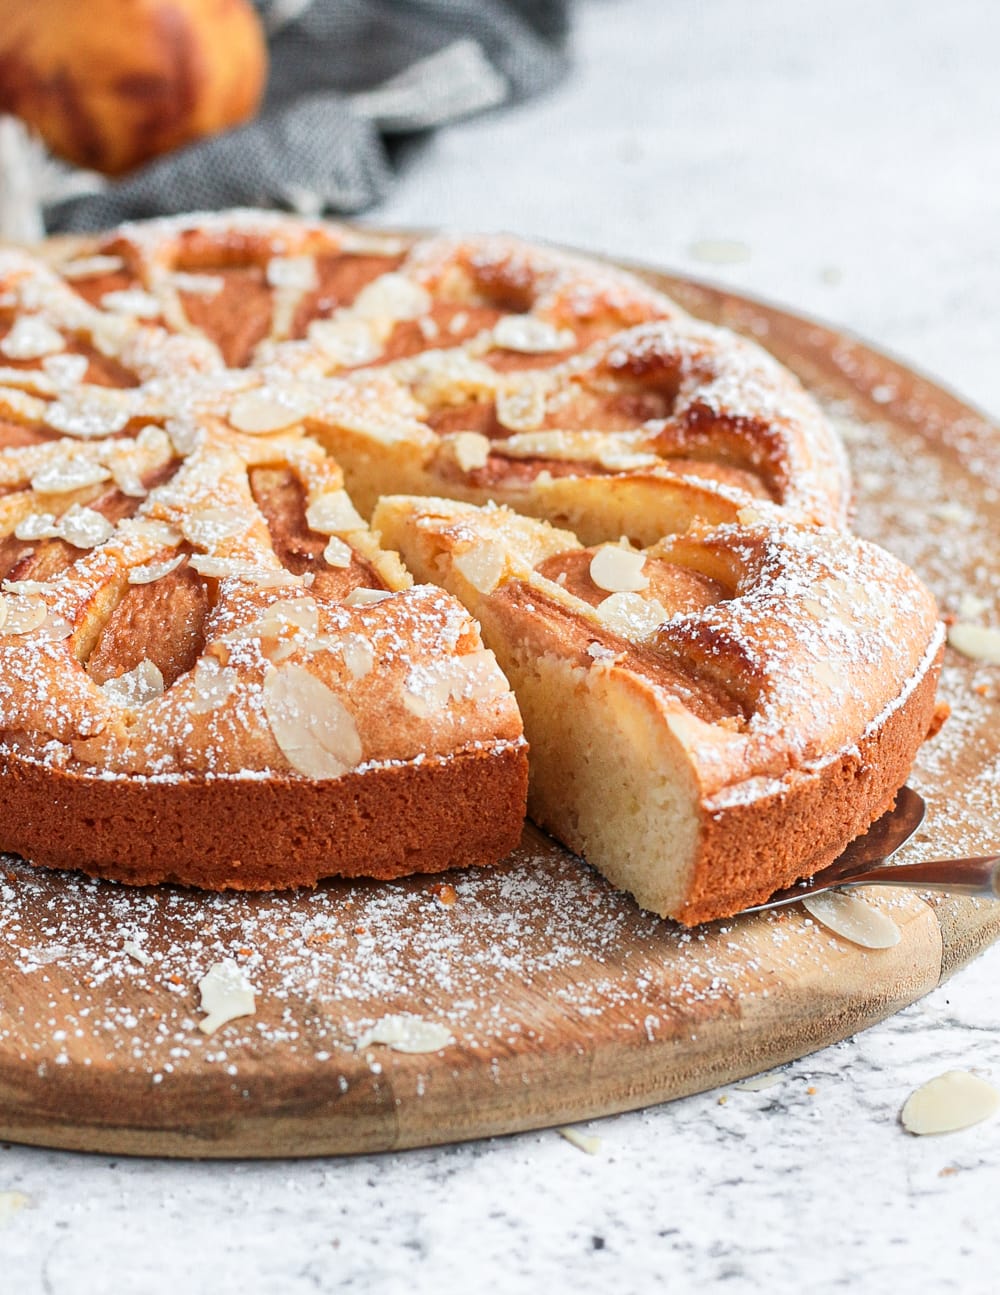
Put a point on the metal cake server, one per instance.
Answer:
(864, 862)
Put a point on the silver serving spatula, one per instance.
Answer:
(864, 862)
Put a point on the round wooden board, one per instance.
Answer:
(562, 1000)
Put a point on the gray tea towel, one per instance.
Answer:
(351, 83)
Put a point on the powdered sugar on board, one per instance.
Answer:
(524, 948)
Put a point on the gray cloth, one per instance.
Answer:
(353, 83)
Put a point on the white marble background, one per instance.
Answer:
(848, 156)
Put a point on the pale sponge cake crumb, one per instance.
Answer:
(606, 775)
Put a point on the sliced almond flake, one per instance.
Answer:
(363, 597)
(587, 1142)
(197, 285)
(66, 370)
(953, 512)
(631, 615)
(314, 731)
(522, 410)
(226, 995)
(853, 918)
(207, 527)
(473, 677)
(268, 578)
(618, 570)
(213, 684)
(31, 338)
(333, 513)
(236, 569)
(259, 412)
(185, 436)
(132, 301)
(362, 243)
(27, 586)
(359, 656)
(470, 450)
(345, 340)
(298, 272)
(84, 528)
(152, 532)
(135, 687)
(32, 381)
(21, 615)
(980, 642)
(37, 526)
(287, 616)
(407, 1033)
(65, 475)
(483, 566)
(150, 572)
(531, 336)
(128, 480)
(90, 418)
(53, 629)
(337, 553)
(392, 296)
(971, 605)
(88, 267)
(955, 1100)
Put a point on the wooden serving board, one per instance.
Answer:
(562, 1000)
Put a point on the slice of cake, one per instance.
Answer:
(709, 718)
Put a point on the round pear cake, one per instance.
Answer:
(230, 443)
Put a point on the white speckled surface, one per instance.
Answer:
(852, 151)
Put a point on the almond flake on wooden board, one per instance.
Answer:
(406, 1033)
(952, 1101)
(137, 952)
(587, 1142)
(976, 641)
(225, 995)
(853, 918)
(971, 605)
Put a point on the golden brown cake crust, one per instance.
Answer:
(272, 833)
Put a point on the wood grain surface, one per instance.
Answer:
(562, 1000)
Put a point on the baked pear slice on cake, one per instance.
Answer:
(710, 718)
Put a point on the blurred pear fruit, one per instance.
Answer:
(109, 84)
